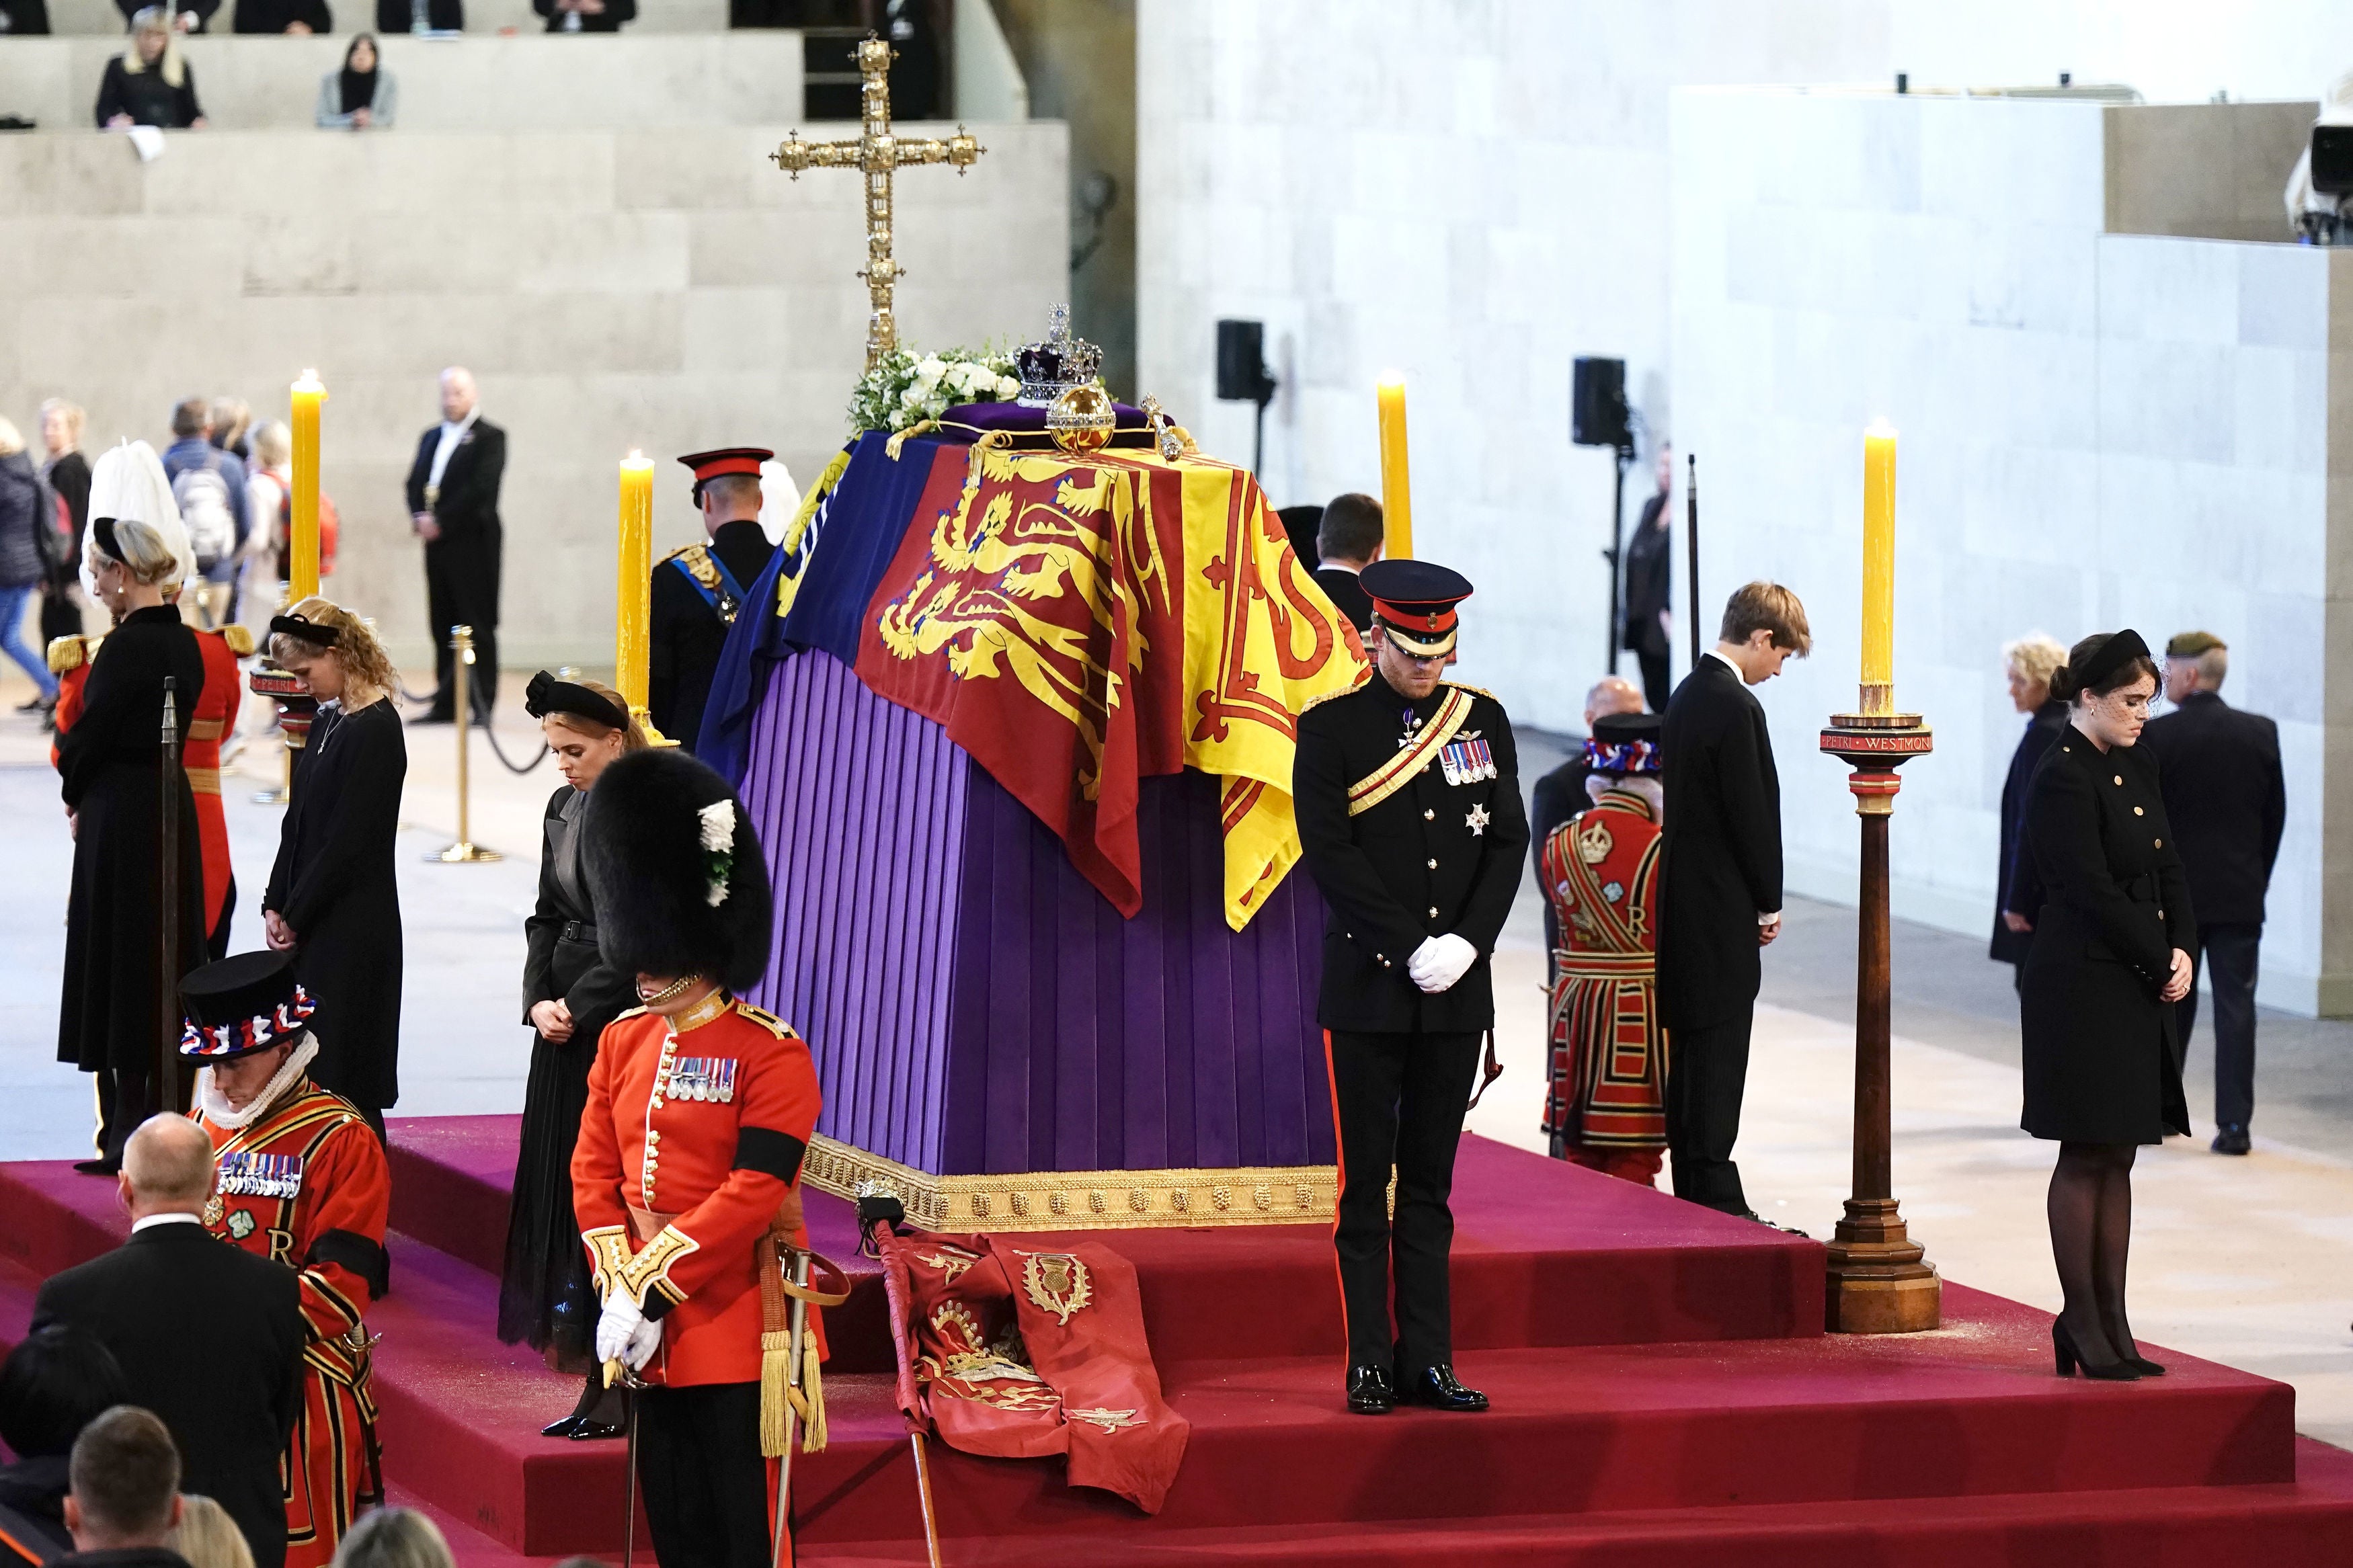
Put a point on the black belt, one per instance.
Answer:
(579, 930)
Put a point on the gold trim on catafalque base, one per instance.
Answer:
(1080, 1200)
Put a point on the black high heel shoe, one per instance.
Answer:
(2063, 1352)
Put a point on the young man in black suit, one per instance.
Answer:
(1720, 883)
(125, 1500)
(1347, 541)
(2219, 770)
(1408, 795)
(227, 1395)
(453, 505)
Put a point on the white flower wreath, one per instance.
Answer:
(718, 849)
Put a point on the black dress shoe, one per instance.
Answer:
(1370, 1391)
(588, 1429)
(97, 1167)
(2228, 1139)
(1435, 1387)
(564, 1428)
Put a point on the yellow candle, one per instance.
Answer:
(635, 586)
(1879, 568)
(302, 499)
(1396, 498)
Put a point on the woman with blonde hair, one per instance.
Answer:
(65, 481)
(393, 1538)
(148, 83)
(332, 897)
(268, 482)
(569, 994)
(136, 553)
(2018, 887)
(207, 1537)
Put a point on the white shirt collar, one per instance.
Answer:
(139, 1225)
(1352, 569)
(1717, 653)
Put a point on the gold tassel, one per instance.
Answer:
(239, 639)
(809, 1398)
(775, 1360)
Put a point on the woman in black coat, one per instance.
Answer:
(569, 995)
(333, 896)
(111, 1014)
(2018, 890)
(2111, 954)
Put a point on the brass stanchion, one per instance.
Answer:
(465, 852)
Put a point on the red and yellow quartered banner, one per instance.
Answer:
(1081, 624)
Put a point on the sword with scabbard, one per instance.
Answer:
(616, 1373)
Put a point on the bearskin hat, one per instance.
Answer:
(675, 872)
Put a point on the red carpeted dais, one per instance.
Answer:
(1663, 1395)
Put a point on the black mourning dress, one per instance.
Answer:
(109, 1016)
(333, 884)
(2095, 1043)
(545, 1299)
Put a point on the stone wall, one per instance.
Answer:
(665, 289)
(94, 18)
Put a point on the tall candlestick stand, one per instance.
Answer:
(1880, 1283)
(465, 852)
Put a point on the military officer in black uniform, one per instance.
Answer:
(1409, 803)
(698, 589)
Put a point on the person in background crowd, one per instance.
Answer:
(55, 1382)
(207, 1537)
(66, 478)
(586, 16)
(421, 15)
(25, 18)
(1560, 793)
(149, 83)
(1650, 586)
(193, 15)
(2018, 888)
(268, 482)
(1300, 523)
(2227, 796)
(569, 995)
(22, 564)
(125, 1500)
(2112, 951)
(1720, 883)
(108, 767)
(231, 1409)
(208, 486)
(395, 1538)
(698, 588)
(1347, 541)
(360, 96)
(300, 18)
(333, 899)
(231, 419)
(453, 505)
(2312, 211)
(1607, 1108)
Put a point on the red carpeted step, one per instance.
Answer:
(2307, 1523)
(1545, 1254)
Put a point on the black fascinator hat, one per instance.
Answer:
(676, 872)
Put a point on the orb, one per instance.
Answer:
(1080, 420)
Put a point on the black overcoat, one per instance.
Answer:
(543, 1297)
(227, 1392)
(1720, 857)
(334, 883)
(2227, 795)
(2095, 1042)
(2017, 885)
(1430, 859)
(109, 1016)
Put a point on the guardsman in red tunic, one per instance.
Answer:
(302, 1181)
(686, 1174)
(215, 717)
(1606, 1106)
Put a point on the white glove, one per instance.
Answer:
(617, 1329)
(1440, 962)
(644, 1339)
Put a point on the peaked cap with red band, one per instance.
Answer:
(725, 460)
(1414, 601)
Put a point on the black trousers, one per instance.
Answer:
(1397, 1101)
(126, 1098)
(1656, 686)
(2228, 953)
(461, 589)
(216, 939)
(706, 1486)
(1707, 1072)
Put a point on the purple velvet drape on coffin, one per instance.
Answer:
(975, 1007)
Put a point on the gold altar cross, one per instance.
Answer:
(878, 153)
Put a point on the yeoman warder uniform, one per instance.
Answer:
(686, 1175)
(302, 1183)
(697, 591)
(1410, 817)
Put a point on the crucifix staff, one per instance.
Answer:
(878, 153)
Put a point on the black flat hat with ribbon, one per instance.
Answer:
(246, 1002)
(676, 872)
(1625, 743)
(1415, 601)
(546, 694)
